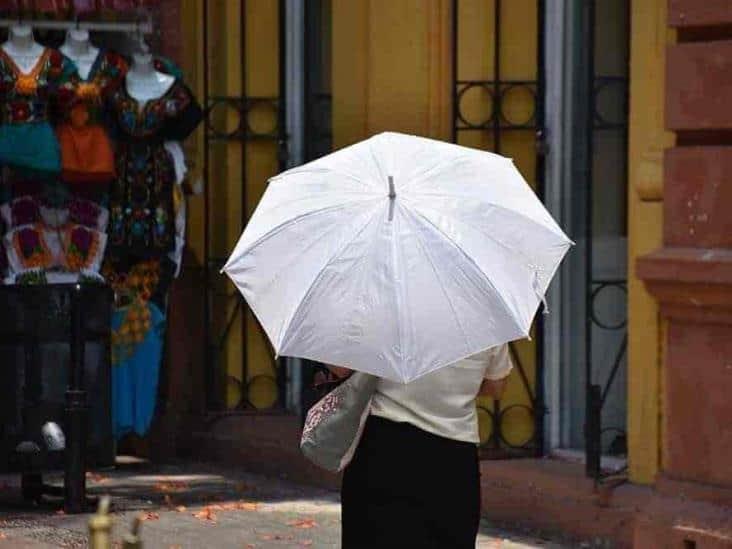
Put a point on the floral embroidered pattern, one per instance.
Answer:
(82, 247)
(154, 114)
(323, 409)
(105, 77)
(30, 248)
(26, 96)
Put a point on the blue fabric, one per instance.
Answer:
(32, 146)
(135, 379)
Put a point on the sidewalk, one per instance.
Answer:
(200, 505)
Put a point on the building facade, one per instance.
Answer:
(614, 111)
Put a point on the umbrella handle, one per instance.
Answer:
(392, 197)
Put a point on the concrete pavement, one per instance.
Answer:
(201, 506)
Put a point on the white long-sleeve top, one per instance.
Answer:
(443, 402)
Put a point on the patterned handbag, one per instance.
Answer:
(334, 424)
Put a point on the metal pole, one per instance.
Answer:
(77, 413)
(145, 27)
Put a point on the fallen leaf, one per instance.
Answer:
(96, 477)
(234, 506)
(181, 508)
(275, 537)
(172, 486)
(3, 535)
(246, 506)
(306, 543)
(206, 514)
(60, 512)
(304, 524)
(150, 515)
(250, 546)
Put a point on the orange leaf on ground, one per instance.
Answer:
(306, 543)
(150, 515)
(206, 514)
(304, 523)
(96, 477)
(181, 508)
(3, 535)
(274, 537)
(172, 486)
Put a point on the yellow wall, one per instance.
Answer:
(647, 139)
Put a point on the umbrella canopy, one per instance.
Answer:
(397, 256)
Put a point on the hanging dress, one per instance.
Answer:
(142, 235)
(27, 141)
(142, 211)
(138, 346)
(87, 156)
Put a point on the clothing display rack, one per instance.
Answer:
(142, 27)
(79, 448)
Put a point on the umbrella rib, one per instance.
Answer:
(489, 236)
(317, 279)
(281, 226)
(472, 262)
(419, 177)
(442, 285)
(501, 207)
(297, 171)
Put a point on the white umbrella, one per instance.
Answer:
(397, 256)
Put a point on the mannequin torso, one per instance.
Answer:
(22, 48)
(144, 83)
(81, 51)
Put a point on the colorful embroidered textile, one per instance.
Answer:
(135, 370)
(73, 248)
(27, 100)
(142, 212)
(86, 150)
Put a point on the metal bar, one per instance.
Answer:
(77, 413)
(593, 405)
(616, 366)
(539, 401)
(145, 27)
(593, 449)
(455, 106)
(497, 78)
(243, 219)
(279, 362)
(210, 365)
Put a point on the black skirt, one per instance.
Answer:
(409, 488)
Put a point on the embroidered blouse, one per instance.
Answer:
(142, 212)
(28, 97)
(27, 102)
(86, 151)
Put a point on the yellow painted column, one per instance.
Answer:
(647, 139)
(391, 68)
